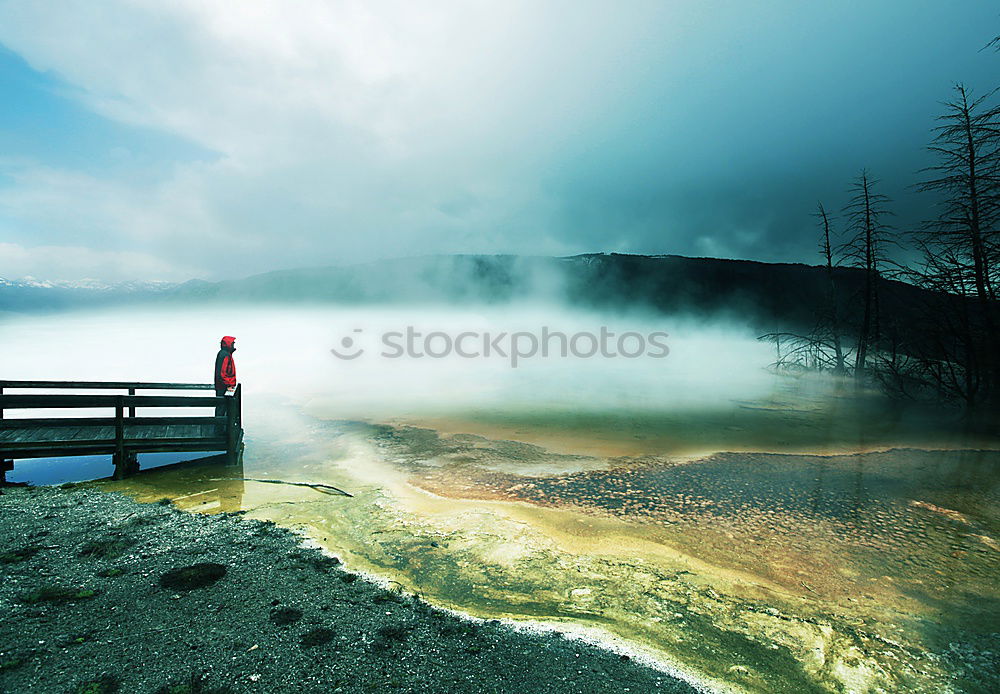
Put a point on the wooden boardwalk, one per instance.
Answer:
(123, 435)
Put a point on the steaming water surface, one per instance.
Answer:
(758, 532)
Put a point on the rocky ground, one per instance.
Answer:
(103, 594)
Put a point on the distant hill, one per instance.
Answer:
(768, 296)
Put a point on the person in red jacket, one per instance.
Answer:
(225, 370)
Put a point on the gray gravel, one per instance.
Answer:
(85, 608)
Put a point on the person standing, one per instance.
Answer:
(225, 371)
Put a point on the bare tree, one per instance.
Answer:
(821, 349)
(865, 248)
(967, 143)
(961, 247)
(833, 314)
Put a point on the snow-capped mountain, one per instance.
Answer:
(33, 294)
(89, 284)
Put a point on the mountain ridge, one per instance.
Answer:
(770, 296)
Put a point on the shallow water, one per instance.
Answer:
(758, 533)
(754, 571)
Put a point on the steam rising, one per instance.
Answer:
(286, 353)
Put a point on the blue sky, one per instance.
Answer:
(158, 140)
(45, 120)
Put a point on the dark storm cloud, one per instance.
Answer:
(344, 132)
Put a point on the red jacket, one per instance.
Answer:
(225, 367)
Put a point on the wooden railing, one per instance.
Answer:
(45, 437)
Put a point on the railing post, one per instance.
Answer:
(239, 424)
(131, 459)
(5, 465)
(119, 457)
(232, 438)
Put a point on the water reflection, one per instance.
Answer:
(203, 485)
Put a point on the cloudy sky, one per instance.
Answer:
(196, 138)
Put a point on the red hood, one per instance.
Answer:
(227, 341)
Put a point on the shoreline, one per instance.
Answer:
(590, 635)
(90, 606)
(425, 514)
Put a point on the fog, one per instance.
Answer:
(285, 353)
